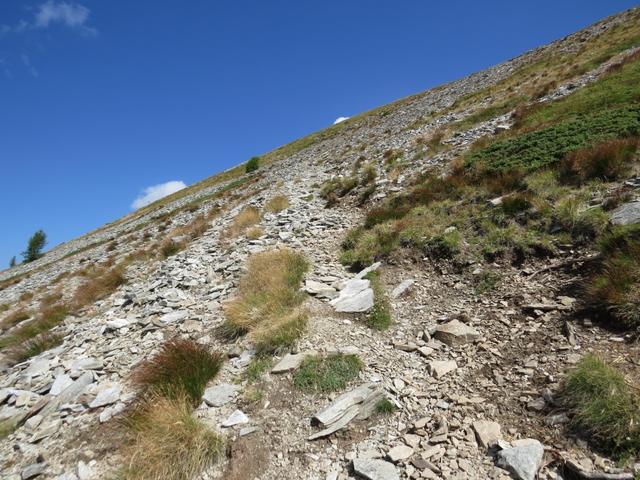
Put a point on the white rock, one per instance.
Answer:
(236, 418)
(373, 469)
(403, 287)
(219, 395)
(487, 432)
(60, 383)
(399, 452)
(106, 396)
(439, 368)
(523, 458)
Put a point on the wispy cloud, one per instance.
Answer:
(27, 63)
(156, 192)
(340, 119)
(69, 14)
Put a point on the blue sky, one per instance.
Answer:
(102, 99)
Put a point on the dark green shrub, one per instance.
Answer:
(34, 248)
(252, 165)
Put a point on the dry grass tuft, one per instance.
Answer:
(165, 442)
(248, 217)
(269, 298)
(277, 204)
(606, 161)
(100, 284)
(254, 233)
(46, 319)
(182, 368)
(14, 318)
(34, 346)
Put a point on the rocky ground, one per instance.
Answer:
(473, 375)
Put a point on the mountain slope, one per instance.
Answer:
(507, 273)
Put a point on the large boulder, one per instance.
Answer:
(626, 214)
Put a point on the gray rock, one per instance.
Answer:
(402, 288)
(33, 470)
(173, 317)
(399, 452)
(236, 418)
(356, 296)
(60, 383)
(626, 214)
(373, 469)
(87, 363)
(313, 287)
(46, 431)
(455, 333)
(288, 363)
(219, 395)
(38, 368)
(69, 394)
(522, 459)
(107, 396)
(367, 270)
(439, 368)
(487, 432)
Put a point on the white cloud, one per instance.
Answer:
(156, 192)
(340, 119)
(69, 14)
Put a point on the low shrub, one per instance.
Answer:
(101, 284)
(327, 374)
(267, 306)
(605, 161)
(252, 165)
(603, 406)
(181, 369)
(385, 407)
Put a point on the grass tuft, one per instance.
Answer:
(164, 441)
(102, 283)
(268, 304)
(277, 204)
(327, 374)
(182, 368)
(379, 318)
(248, 217)
(34, 346)
(604, 406)
(14, 318)
(385, 407)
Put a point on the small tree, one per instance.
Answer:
(12, 263)
(252, 165)
(34, 249)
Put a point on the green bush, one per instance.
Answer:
(252, 165)
(34, 248)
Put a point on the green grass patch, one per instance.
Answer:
(549, 145)
(604, 406)
(327, 374)
(258, 367)
(385, 407)
(379, 318)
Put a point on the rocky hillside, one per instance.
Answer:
(443, 287)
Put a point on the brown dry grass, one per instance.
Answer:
(268, 304)
(248, 217)
(14, 318)
(277, 204)
(254, 233)
(102, 283)
(607, 160)
(165, 442)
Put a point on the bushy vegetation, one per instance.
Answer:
(252, 165)
(616, 286)
(549, 145)
(327, 374)
(268, 303)
(14, 318)
(181, 369)
(101, 283)
(603, 406)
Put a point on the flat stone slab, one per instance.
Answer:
(399, 452)
(374, 469)
(456, 333)
(313, 287)
(522, 459)
(356, 296)
(236, 418)
(439, 368)
(626, 214)
(402, 288)
(220, 394)
(487, 432)
(367, 270)
(106, 396)
(289, 363)
(173, 317)
(60, 383)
